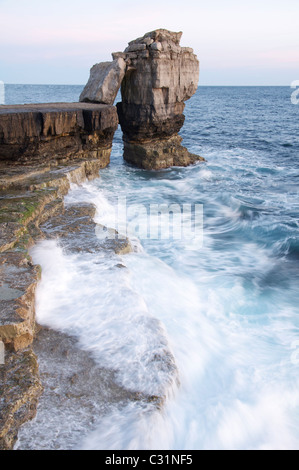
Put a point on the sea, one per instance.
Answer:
(227, 301)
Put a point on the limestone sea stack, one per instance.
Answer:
(159, 77)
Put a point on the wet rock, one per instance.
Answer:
(36, 177)
(77, 394)
(159, 154)
(29, 196)
(77, 232)
(19, 392)
(27, 202)
(18, 282)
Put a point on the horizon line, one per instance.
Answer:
(80, 84)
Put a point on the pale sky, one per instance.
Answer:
(238, 42)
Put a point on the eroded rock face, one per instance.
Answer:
(56, 132)
(18, 282)
(160, 76)
(19, 392)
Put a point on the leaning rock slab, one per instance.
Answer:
(104, 82)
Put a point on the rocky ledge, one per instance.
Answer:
(29, 196)
(31, 209)
(56, 132)
(43, 149)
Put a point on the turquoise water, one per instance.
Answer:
(228, 308)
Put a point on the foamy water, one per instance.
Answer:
(227, 310)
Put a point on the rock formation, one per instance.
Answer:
(45, 133)
(159, 77)
(29, 196)
(43, 149)
(32, 208)
(104, 82)
(46, 147)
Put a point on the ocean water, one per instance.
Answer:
(227, 309)
(27, 94)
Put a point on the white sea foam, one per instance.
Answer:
(92, 298)
(230, 397)
(229, 362)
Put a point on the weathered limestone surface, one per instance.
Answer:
(160, 76)
(104, 82)
(29, 196)
(18, 281)
(19, 392)
(41, 133)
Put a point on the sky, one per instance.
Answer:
(238, 42)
